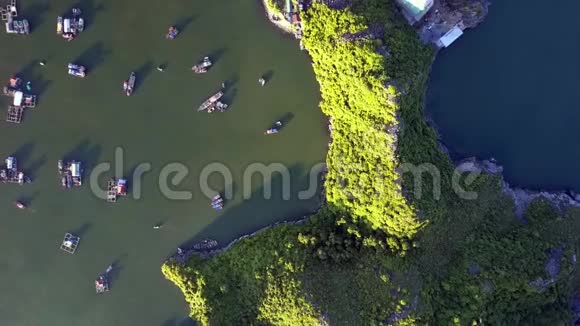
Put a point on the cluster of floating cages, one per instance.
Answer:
(70, 27)
(71, 173)
(115, 189)
(14, 26)
(20, 100)
(70, 243)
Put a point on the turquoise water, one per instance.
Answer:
(509, 89)
(88, 119)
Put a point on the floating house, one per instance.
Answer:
(70, 174)
(451, 36)
(414, 10)
(14, 26)
(11, 174)
(20, 100)
(70, 27)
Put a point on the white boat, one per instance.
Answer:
(18, 96)
(76, 70)
(59, 26)
(75, 169)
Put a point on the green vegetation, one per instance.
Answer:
(369, 257)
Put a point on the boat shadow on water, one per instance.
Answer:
(89, 10)
(183, 23)
(82, 230)
(216, 55)
(93, 57)
(117, 268)
(142, 72)
(85, 152)
(36, 13)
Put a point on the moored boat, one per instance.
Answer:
(101, 284)
(130, 84)
(210, 101)
(203, 66)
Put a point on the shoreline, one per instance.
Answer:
(561, 199)
(280, 22)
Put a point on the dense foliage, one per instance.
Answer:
(369, 257)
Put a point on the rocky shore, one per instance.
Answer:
(521, 197)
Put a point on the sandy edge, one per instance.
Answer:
(282, 23)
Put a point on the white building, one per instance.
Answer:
(451, 36)
(414, 10)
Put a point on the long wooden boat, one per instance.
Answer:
(210, 101)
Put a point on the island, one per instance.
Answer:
(404, 235)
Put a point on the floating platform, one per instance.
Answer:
(14, 114)
(112, 191)
(29, 101)
(12, 176)
(70, 243)
(70, 174)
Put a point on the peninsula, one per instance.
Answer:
(395, 241)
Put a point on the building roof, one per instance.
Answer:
(450, 37)
(414, 10)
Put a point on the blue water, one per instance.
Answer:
(510, 89)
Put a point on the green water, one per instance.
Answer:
(510, 89)
(86, 119)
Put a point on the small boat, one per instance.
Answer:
(109, 269)
(221, 107)
(59, 25)
(11, 163)
(210, 101)
(76, 70)
(172, 33)
(20, 205)
(262, 81)
(203, 66)
(121, 187)
(130, 84)
(101, 284)
(275, 129)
